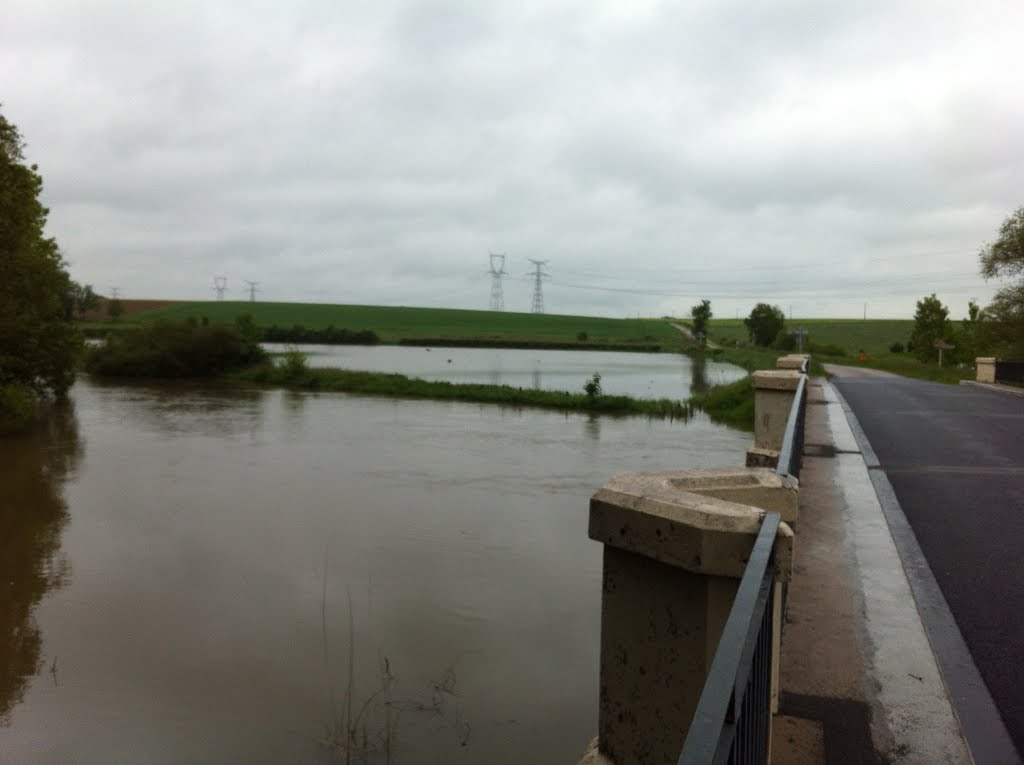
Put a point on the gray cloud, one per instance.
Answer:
(815, 155)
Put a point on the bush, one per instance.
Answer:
(826, 349)
(784, 341)
(293, 363)
(582, 337)
(327, 336)
(17, 407)
(592, 387)
(168, 349)
(896, 348)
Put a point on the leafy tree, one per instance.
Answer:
(764, 323)
(931, 324)
(115, 308)
(970, 332)
(701, 315)
(83, 298)
(1003, 332)
(38, 345)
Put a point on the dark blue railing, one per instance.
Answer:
(732, 723)
(1010, 372)
(793, 440)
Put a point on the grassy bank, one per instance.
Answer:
(440, 326)
(298, 377)
(731, 404)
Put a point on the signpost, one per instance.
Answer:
(942, 345)
(800, 333)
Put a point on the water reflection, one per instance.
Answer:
(180, 407)
(33, 513)
(698, 373)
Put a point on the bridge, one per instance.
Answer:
(785, 611)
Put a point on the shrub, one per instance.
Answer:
(17, 407)
(784, 341)
(293, 363)
(592, 387)
(826, 349)
(582, 337)
(170, 349)
(896, 348)
(328, 336)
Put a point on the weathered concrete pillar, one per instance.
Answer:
(986, 369)
(774, 390)
(675, 550)
(791, 361)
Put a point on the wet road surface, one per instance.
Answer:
(955, 458)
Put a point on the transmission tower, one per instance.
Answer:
(114, 292)
(538, 276)
(254, 287)
(497, 271)
(220, 284)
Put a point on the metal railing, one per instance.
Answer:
(793, 440)
(733, 718)
(1010, 372)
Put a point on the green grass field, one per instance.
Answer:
(873, 336)
(394, 324)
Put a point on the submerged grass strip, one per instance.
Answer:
(380, 384)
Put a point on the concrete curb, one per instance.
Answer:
(982, 726)
(995, 387)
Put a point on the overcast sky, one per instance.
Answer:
(815, 155)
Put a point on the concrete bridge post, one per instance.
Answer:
(774, 390)
(675, 547)
(986, 369)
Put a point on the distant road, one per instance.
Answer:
(954, 455)
(689, 333)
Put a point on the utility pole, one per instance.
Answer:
(865, 312)
(253, 289)
(538, 276)
(220, 285)
(497, 271)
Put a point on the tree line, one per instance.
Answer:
(994, 330)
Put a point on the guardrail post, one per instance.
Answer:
(676, 546)
(986, 369)
(774, 390)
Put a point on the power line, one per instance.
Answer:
(253, 289)
(220, 285)
(497, 271)
(538, 293)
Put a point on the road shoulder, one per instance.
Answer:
(856, 656)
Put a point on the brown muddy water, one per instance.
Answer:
(188, 571)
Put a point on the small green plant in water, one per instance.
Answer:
(592, 387)
(293, 363)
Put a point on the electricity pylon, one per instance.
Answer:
(254, 287)
(497, 271)
(220, 284)
(538, 293)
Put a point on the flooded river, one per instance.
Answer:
(189, 573)
(641, 375)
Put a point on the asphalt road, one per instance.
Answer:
(954, 455)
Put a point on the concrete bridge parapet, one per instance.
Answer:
(675, 547)
(774, 390)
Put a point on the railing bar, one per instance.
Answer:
(750, 644)
(706, 729)
(789, 438)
